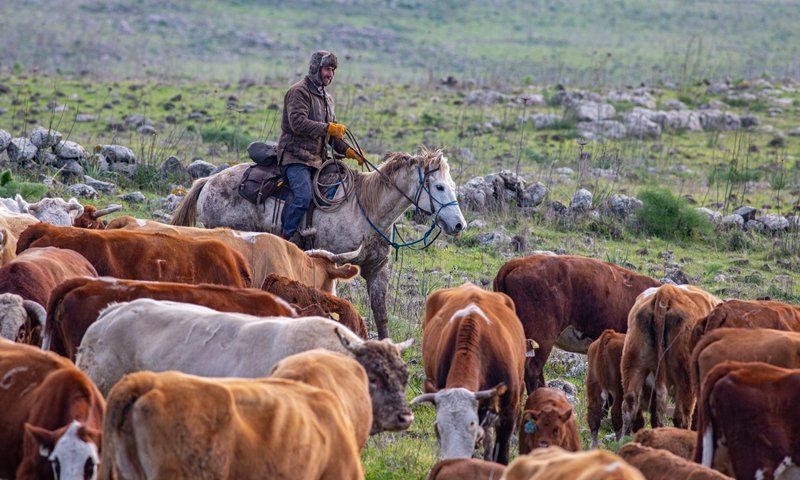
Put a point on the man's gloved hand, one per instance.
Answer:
(350, 153)
(336, 130)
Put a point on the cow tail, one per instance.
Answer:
(117, 428)
(661, 338)
(500, 279)
(186, 212)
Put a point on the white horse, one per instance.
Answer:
(364, 218)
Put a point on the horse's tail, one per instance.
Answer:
(186, 212)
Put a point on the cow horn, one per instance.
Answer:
(348, 256)
(35, 311)
(109, 209)
(33, 207)
(425, 397)
(74, 206)
(404, 345)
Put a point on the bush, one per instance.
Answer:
(232, 139)
(9, 187)
(669, 217)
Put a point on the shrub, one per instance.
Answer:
(233, 139)
(669, 217)
(9, 187)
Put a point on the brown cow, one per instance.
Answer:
(657, 344)
(749, 314)
(657, 464)
(548, 420)
(776, 347)
(604, 385)
(303, 296)
(567, 301)
(473, 349)
(227, 428)
(555, 463)
(90, 218)
(266, 253)
(340, 375)
(678, 441)
(466, 469)
(750, 408)
(145, 255)
(76, 304)
(35, 273)
(51, 416)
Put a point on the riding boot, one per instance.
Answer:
(295, 238)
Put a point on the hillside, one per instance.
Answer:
(571, 42)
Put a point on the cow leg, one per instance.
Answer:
(594, 409)
(505, 429)
(616, 416)
(534, 367)
(378, 287)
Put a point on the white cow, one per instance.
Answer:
(161, 335)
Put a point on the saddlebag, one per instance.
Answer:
(259, 183)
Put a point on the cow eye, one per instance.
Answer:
(88, 468)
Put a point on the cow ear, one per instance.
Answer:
(345, 341)
(428, 386)
(45, 439)
(566, 414)
(90, 435)
(527, 415)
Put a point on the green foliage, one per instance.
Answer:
(9, 188)
(234, 139)
(670, 217)
(732, 174)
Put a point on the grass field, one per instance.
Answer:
(211, 77)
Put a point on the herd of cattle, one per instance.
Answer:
(135, 349)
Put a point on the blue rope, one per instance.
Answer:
(392, 243)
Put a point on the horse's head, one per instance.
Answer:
(437, 192)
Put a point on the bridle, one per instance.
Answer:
(423, 185)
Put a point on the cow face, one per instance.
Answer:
(457, 422)
(72, 450)
(543, 428)
(56, 211)
(388, 378)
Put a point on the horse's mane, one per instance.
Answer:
(370, 186)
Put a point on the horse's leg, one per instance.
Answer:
(378, 287)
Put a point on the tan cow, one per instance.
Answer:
(12, 224)
(312, 301)
(547, 420)
(657, 464)
(145, 255)
(51, 416)
(338, 374)
(227, 429)
(776, 347)
(265, 253)
(678, 441)
(466, 469)
(555, 463)
(473, 349)
(657, 343)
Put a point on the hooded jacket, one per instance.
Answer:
(307, 109)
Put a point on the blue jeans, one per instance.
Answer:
(298, 177)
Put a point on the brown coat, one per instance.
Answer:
(658, 464)
(307, 109)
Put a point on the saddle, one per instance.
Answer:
(263, 180)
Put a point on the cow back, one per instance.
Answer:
(232, 421)
(555, 463)
(658, 464)
(466, 469)
(145, 255)
(678, 441)
(749, 314)
(35, 272)
(76, 304)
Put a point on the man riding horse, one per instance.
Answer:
(308, 126)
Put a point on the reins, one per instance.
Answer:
(425, 239)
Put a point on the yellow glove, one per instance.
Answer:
(350, 153)
(336, 130)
